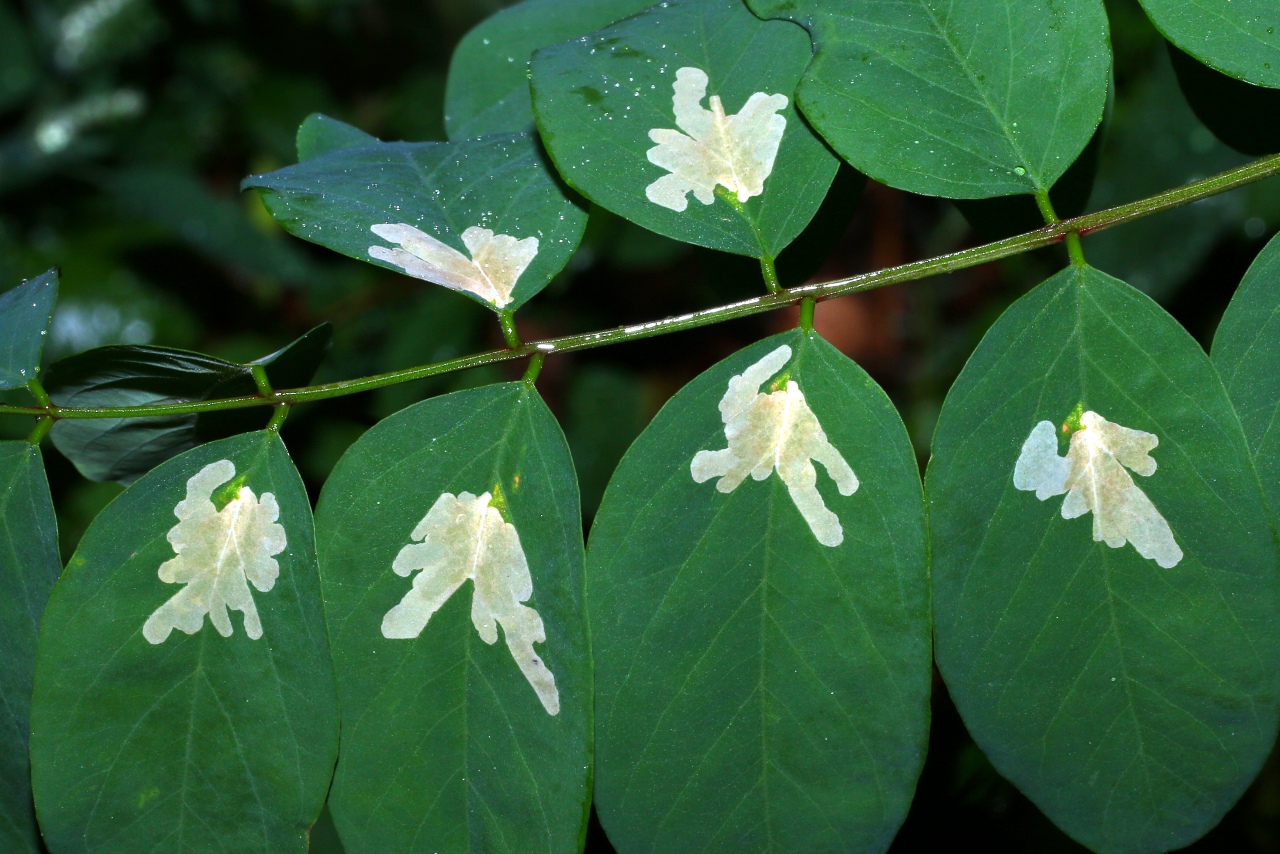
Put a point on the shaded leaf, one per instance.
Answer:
(604, 100)
(124, 375)
(962, 100)
(1246, 352)
(198, 741)
(29, 565)
(1132, 700)
(757, 690)
(441, 189)
(319, 135)
(1237, 37)
(24, 323)
(451, 740)
(1244, 116)
(488, 87)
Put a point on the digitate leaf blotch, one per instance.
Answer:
(496, 263)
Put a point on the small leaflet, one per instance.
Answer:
(1094, 479)
(776, 431)
(735, 151)
(496, 263)
(463, 537)
(219, 552)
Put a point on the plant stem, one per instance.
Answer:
(278, 417)
(38, 392)
(535, 368)
(807, 306)
(261, 380)
(1050, 234)
(42, 427)
(770, 274)
(1075, 250)
(509, 334)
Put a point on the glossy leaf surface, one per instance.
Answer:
(1237, 37)
(488, 87)
(1246, 352)
(123, 449)
(598, 98)
(500, 183)
(1131, 702)
(29, 565)
(199, 742)
(755, 689)
(24, 322)
(964, 100)
(445, 744)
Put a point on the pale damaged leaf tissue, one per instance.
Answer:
(736, 152)
(463, 537)
(1093, 477)
(776, 431)
(218, 554)
(497, 260)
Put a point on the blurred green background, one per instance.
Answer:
(126, 126)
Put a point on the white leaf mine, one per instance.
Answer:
(461, 538)
(776, 432)
(218, 554)
(1094, 478)
(497, 260)
(736, 152)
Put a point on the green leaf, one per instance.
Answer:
(1237, 37)
(446, 745)
(319, 135)
(123, 449)
(488, 87)
(756, 690)
(598, 98)
(29, 565)
(967, 100)
(500, 183)
(195, 742)
(1246, 352)
(1132, 701)
(1244, 116)
(24, 322)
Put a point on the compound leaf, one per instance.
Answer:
(451, 213)
(1128, 684)
(218, 736)
(762, 644)
(488, 87)
(711, 85)
(29, 565)
(453, 741)
(963, 100)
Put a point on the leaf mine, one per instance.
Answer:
(1094, 479)
(736, 152)
(218, 554)
(776, 431)
(496, 263)
(463, 537)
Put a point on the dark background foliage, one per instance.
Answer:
(126, 126)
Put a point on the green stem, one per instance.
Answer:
(535, 368)
(42, 427)
(509, 334)
(1050, 234)
(807, 306)
(261, 380)
(38, 392)
(770, 274)
(278, 417)
(1075, 250)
